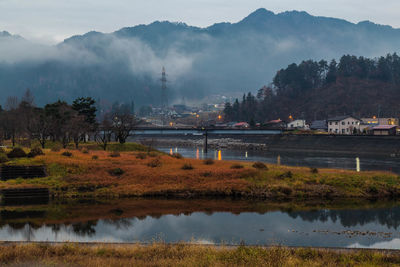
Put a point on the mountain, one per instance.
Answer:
(225, 58)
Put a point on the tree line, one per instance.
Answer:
(297, 88)
(21, 121)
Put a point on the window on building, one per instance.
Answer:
(336, 123)
(343, 131)
(343, 123)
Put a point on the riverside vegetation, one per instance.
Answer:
(160, 254)
(133, 170)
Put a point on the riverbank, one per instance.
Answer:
(160, 254)
(93, 173)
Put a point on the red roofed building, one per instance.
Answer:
(241, 125)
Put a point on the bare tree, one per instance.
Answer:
(77, 128)
(123, 125)
(104, 132)
(10, 119)
(28, 98)
(12, 103)
(40, 127)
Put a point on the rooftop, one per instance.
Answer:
(384, 127)
(340, 118)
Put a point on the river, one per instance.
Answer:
(219, 221)
(310, 159)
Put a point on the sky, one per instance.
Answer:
(51, 21)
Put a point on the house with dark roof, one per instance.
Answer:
(344, 125)
(319, 125)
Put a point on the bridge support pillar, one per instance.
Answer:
(205, 142)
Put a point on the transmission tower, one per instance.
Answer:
(164, 95)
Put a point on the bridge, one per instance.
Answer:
(204, 131)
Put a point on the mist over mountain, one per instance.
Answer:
(224, 58)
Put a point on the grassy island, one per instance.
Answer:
(131, 171)
(186, 255)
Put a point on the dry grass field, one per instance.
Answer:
(157, 254)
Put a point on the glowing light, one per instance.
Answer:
(219, 117)
(374, 117)
(197, 154)
(171, 152)
(171, 124)
(197, 116)
(219, 155)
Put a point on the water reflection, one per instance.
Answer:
(251, 222)
(318, 160)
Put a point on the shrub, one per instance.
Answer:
(16, 153)
(141, 155)
(155, 163)
(3, 158)
(152, 154)
(66, 154)
(95, 157)
(37, 151)
(187, 166)
(260, 165)
(313, 170)
(286, 190)
(115, 154)
(287, 174)
(372, 189)
(116, 172)
(206, 174)
(177, 156)
(237, 166)
(85, 150)
(208, 161)
(56, 147)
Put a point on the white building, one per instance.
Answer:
(343, 125)
(297, 124)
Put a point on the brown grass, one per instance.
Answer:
(81, 175)
(157, 254)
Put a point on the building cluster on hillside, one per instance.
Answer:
(340, 125)
(349, 125)
(181, 115)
